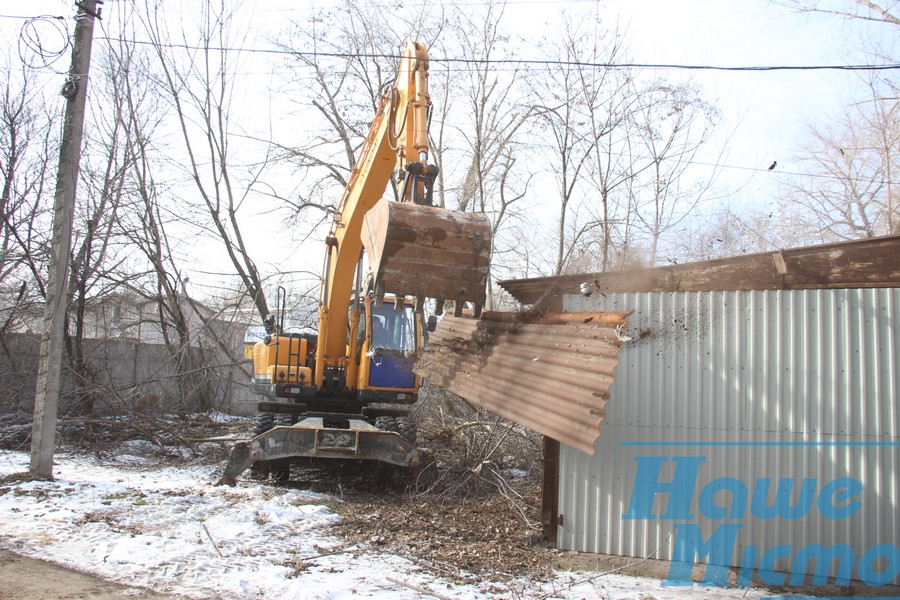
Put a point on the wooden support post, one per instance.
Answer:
(550, 490)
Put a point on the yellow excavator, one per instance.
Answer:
(346, 391)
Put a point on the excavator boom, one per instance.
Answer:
(413, 248)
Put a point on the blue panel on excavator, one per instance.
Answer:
(391, 371)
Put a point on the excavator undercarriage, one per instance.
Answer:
(322, 436)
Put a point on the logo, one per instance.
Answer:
(729, 504)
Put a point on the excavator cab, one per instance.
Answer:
(392, 338)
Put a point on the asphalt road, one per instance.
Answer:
(26, 579)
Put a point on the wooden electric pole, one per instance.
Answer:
(46, 400)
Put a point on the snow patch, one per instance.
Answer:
(167, 528)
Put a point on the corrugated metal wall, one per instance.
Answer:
(765, 384)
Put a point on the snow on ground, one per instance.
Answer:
(132, 520)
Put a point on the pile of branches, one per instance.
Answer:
(467, 451)
(171, 434)
(472, 510)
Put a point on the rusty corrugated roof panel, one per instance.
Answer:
(550, 373)
(869, 263)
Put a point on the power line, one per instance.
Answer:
(523, 62)
(33, 50)
(32, 17)
(854, 179)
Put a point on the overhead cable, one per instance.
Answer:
(34, 49)
(524, 62)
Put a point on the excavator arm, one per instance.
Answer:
(412, 247)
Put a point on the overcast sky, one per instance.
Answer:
(766, 111)
(770, 105)
(769, 108)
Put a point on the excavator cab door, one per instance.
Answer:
(392, 346)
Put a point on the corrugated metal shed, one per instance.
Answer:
(762, 385)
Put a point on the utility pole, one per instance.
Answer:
(46, 400)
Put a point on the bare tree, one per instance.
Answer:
(496, 115)
(28, 151)
(881, 11)
(98, 255)
(143, 223)
(673, 123)
(27, 145)
(609, 99)
(488, 127)
(561, 118)
(475, 113)
(342, 59)
(850, 164)
(198, 87)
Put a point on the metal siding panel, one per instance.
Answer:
(548, 372)
(801, 365)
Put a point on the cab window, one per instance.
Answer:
(394, 329)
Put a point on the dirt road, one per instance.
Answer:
(27, 579)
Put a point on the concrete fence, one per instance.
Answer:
(128, 375)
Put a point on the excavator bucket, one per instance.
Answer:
(428, 252)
